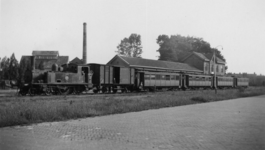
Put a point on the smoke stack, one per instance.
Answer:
(84, 44)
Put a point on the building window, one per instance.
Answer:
(167, 77)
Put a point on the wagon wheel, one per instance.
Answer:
(125, 90)
(95, 90)
(104, 90)
(114, 90)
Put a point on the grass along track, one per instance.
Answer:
(15, 97)
(26, 110)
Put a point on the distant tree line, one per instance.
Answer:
(9, 68)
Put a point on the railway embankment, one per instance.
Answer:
(27, 110)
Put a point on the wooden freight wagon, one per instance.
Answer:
(112, 78)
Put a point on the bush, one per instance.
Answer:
(199, 99)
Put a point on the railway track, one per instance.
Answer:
(86, 95)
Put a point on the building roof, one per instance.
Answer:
(36, 53)
(76, 60)
(201, 56)
(218, 60)
(205, 57)
(149, 63)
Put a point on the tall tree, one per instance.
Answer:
(24, 66)
(13, 68)
(173, 48)
(130, 47)
(5, 68)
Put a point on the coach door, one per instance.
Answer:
(141, 79)
(132, 75)
(85, 70)
(116, 75)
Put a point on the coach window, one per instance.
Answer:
(157, 77)
(153, 77)
(146, 76)
(191, 78)
(163, 77)
(172, 77)
(167, 77)
(177, 77)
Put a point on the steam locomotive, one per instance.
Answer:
(57, 81)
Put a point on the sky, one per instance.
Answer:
(237, 25)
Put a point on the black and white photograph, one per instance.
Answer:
(132, 75)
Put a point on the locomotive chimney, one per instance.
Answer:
(84, 44)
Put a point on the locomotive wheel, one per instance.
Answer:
(64, 91)
(77, 90)
(54, 91)
(71, 90)
(48, 91)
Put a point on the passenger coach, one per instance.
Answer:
(155, 74)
